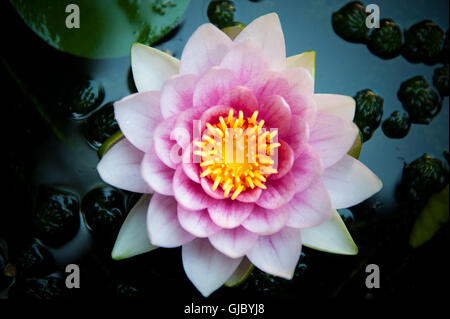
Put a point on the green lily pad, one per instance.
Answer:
(107, 29)
(430, 219)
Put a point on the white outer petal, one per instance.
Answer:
(151, 67)
(277, 254)
(331, 236)
(350, 182)
(163, 227)
(132, 239)
(120, 167)
(266, 33)
(205, 48)
(339, 105)
(205, 266)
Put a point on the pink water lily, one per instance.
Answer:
(227, 215)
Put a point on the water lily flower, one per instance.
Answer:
(230, 214)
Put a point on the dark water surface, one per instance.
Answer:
(378, 228)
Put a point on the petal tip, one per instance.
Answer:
(116, 255)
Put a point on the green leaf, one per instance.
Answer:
(107, 28)
(430, 219)
(331, 236)
(113, 139)
(244, 270)
(305, 60)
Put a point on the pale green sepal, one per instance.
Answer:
(110, 142)
(132, 239)
(232, 31)
(242, 272)
(355, 150)
(331, 236)
(305, 60)
(151, 67)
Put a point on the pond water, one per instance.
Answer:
(52, 150)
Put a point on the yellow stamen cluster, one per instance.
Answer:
(236, 153)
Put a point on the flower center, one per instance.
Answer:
(236, 153)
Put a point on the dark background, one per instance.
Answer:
(379, 226)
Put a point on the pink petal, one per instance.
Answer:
(269, 83)
(205, 266)
(137, 116)
(121, 167)
(229, 213)
(304, 106)
(349, 182)
(283, 161)
(339, 105)
(164, 142)
(190, 164)
(189, 193)
(310, 207)
(235, 242)
(268, 36)
(276, 113)
(306, 168)
(158, 175)
(266, 221)
(197, 222)
(250, 195)
(298, 135)
(212, 85)
(204, 49)
(186, 126)
(240, 98)
(245, 61)
(300, 81)
(177, 94)
(277, 254)
(278, 192)
(163, 227)
(332, 137)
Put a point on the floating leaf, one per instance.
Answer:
(107, 28)
(430, 219)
